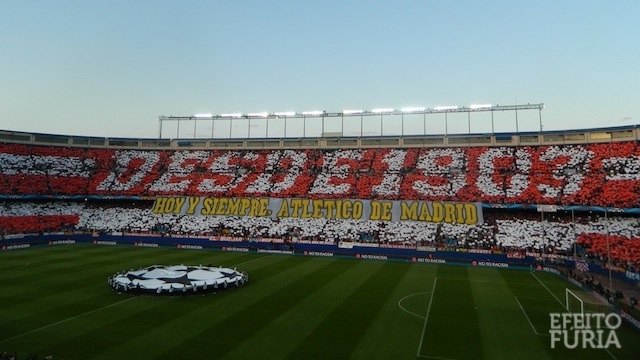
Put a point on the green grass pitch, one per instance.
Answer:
(56, 301)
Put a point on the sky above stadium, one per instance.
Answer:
(110, 68)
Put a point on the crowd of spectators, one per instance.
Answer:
(590, 174)
(502, 230)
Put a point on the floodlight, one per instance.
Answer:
(413, 109)
(233, 115)
(352, 112)
(445, 108)
(312, 113)
(382, 111)
(285, 113)
(260, 114)
(203, 115)
(480, 106)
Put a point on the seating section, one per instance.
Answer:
(588, 174)
(501, 231)
(34, 224)
(625, 251)
(38, 217)
(593, 174)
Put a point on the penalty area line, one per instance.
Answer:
(528, 319)
(550, 292)
(66, 320)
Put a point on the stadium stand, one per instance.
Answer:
(592, 174)
(600, 174)
(500, 231)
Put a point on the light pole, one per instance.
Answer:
(606, 223)
(540, 117)
(446, 122)
(424, 123)
(575, 240)
(544, 245)
(492, 128)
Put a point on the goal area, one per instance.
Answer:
(580, 302)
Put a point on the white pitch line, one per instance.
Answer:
(426, 318)
(408, 296)
(67, 319)
(564, 306)
(527, 316)
(434, 357)
(484, 281)
(537, 299)
(545, 286)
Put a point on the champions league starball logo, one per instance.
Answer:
(584, 330)
(161, 279)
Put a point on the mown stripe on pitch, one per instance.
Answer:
(340, 332)
(39, 280)
(79, 338)
(220, 338)
(59, 294)
(101, 332)
(85, 270)
(44, 258)
(55, 296)
(395, 333)
(263, 280)
(505, 331)
(68, 265)
(50, 307)
(453, 328)
(298, 321)
(116, 260)
(68, 256)
(197, 311)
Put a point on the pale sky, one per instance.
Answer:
(110, 68)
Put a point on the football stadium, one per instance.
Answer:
(496, 245)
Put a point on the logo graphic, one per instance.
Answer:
(584, 330)
(161, 279)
